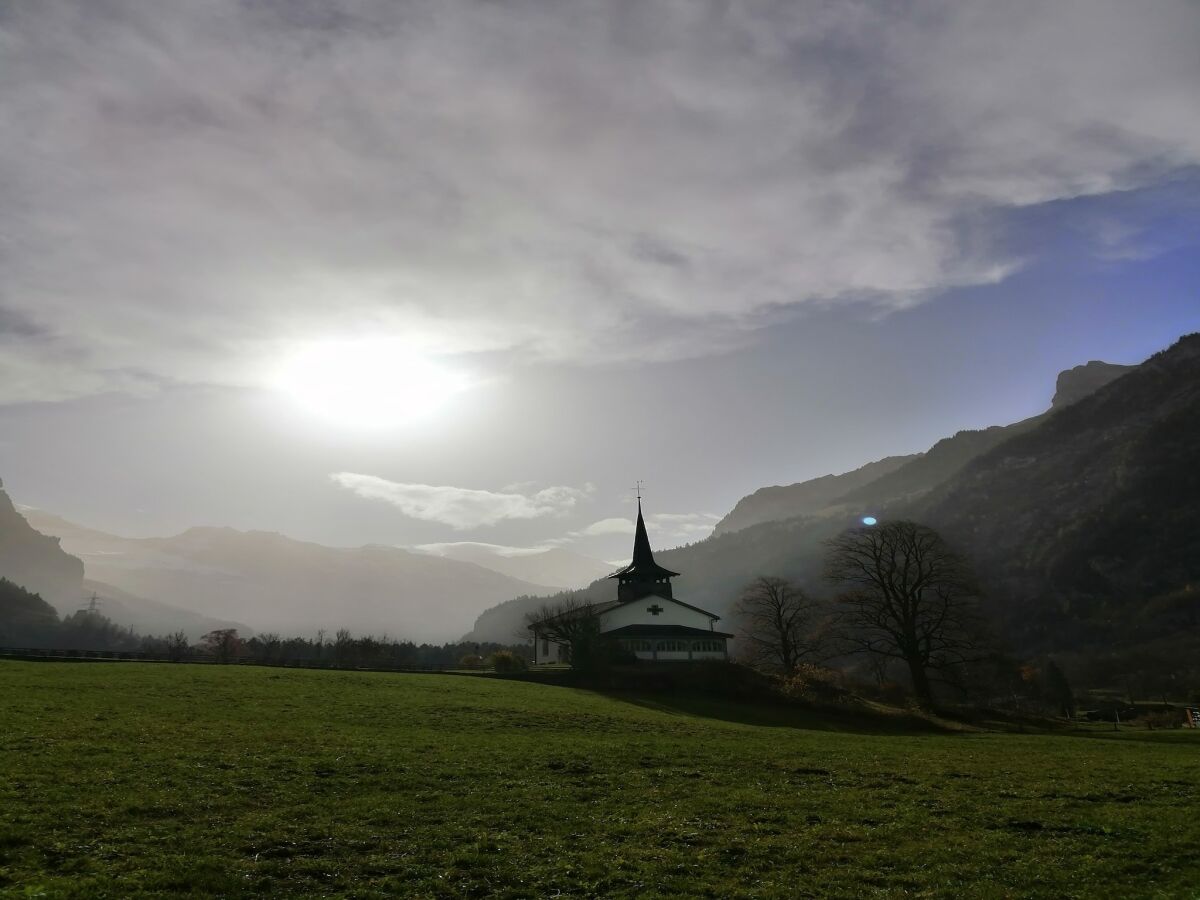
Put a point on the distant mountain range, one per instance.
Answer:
(273, 583)
(1080, 520)
(556, 567)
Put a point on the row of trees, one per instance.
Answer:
(901, 597)
(345, 650)
(28, 621)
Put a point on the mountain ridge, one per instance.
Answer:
(555, 567)
(272, 582)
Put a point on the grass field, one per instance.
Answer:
(126, 779)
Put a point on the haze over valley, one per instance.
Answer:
(209, 577)
(564, 448)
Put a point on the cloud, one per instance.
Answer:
(605, 526)
(672, 527)
(448, 548)
(189, 188)
(461, 508)
(687, 527)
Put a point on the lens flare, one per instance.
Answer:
(869, 520)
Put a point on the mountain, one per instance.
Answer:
(928, 486)
(555, 567)
(36, 562)
(152, 617)
(772, 504)
(1084, 528)
(276, 584)
(896, 477)
(1083, 381)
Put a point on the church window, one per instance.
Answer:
(545, 648)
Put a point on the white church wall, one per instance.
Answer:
(638, 613)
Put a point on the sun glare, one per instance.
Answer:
(366, 384)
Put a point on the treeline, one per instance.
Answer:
(345, 650)
(26, 620)
(29, 622)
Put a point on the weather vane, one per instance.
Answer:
(637, 487)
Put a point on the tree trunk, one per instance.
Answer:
(920, 681)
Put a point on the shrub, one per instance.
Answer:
(809, 682)
(507, 661)
(471, 661)
(1165, 718)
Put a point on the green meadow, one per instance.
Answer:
(132, 779)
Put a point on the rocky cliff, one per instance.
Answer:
(37, 562)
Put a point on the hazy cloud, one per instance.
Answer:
(605, 526)
(447, 548)
(665, 529)
(188, 187)
(687, 527)
(461, 508)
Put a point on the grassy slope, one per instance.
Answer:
(127, 778)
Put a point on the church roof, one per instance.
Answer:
(664, 631)
(643, 566)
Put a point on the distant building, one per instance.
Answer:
(646, 619)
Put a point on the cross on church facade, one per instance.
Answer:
(654, 610)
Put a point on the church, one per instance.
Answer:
(646, 619)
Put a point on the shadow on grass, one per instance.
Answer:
(764, 713)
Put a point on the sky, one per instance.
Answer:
(414, 273)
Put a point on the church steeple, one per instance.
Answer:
(643, 577)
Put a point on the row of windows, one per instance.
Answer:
(636, 645)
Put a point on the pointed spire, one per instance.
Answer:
(643, 556)
(642, 567)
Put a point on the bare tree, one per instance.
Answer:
(177, 646)
(907, 596)
(778, 623)
(224, 644)
(574, 623)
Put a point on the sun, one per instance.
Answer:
(366, 383)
